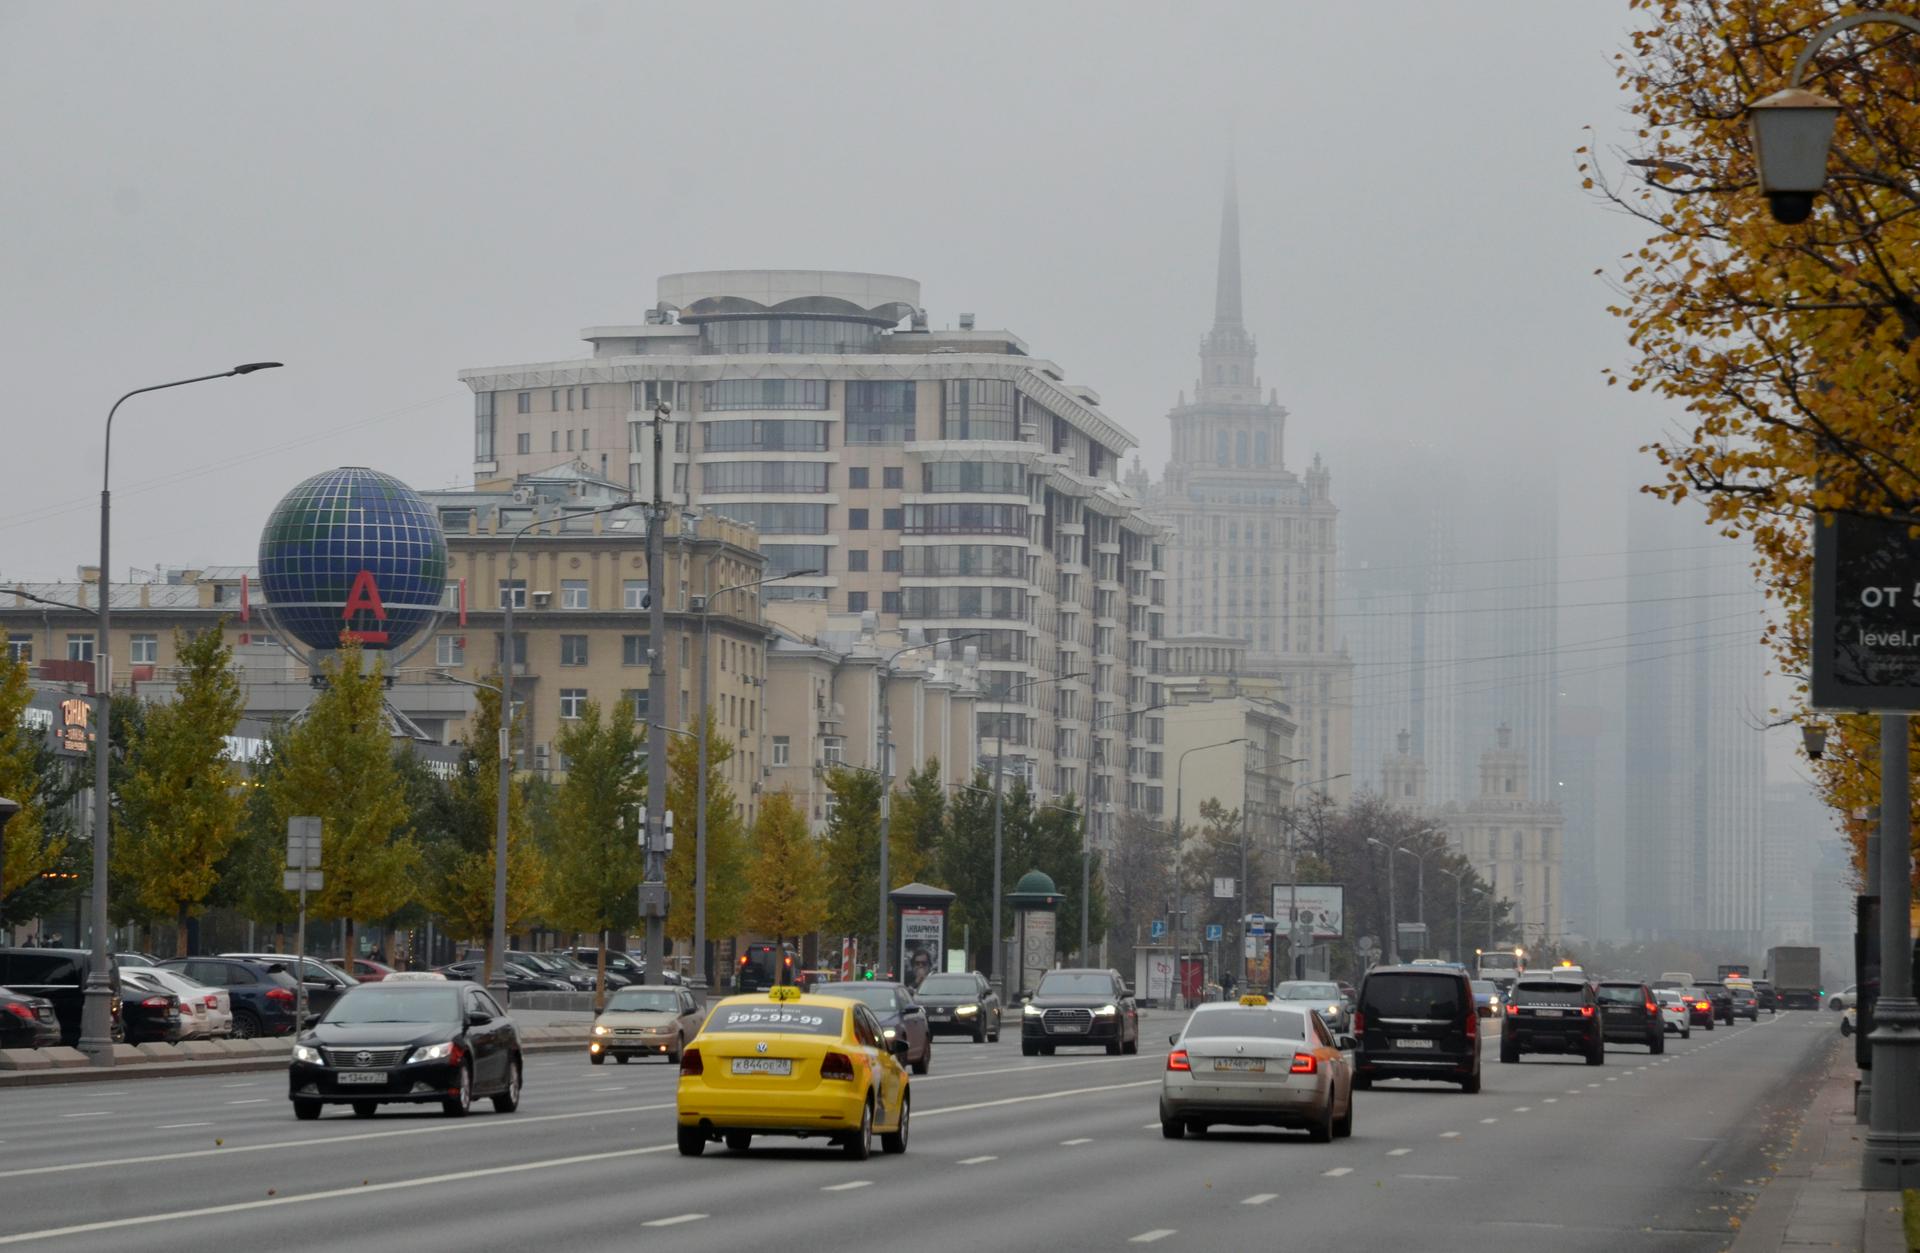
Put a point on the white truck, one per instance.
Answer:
(1794, 972)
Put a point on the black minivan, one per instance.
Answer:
(1417, 1022)
(57, 974)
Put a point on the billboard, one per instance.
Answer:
(1323, 906)
(923, 941)
(1866, 615)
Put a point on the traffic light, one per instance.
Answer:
(869, 974)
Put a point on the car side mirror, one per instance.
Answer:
(1127, 991)
(477, 1019)
(898, 1046)
(1346, 1043)
(914, 1009)
(1174, 1038)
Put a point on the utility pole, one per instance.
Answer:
(653, 891)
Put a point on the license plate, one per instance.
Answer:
(762, 1066)
(1413, 1044)
(1549, 1013)
(938, 1013)
(1255, 1064)
(362, 1076)
(1064, 1027)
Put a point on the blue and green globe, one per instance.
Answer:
(353, 551)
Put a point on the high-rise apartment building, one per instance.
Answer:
(1253, 554)
(947, 482)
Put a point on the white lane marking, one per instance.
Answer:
(332, 1194)
(1449, 1135)
(1398, 1152)
(1613, 1079)
(985, 1157)
(91, 1113)
(1573, 1091)
(1521, 1109)
(1448, 1178)
(171, 1126)
(618, 1087)
(1552, 1100)
(1593, 1085)
(251, 1100)
(1486, 1120)
(1067, 1144)
(1148, 1237)
(1151, 1126)
(1016, 1100)
(1336, 1172)
(240, 1085)
(675, 1221)
(1260, 1198)
(502, 1125)
(848, 1186)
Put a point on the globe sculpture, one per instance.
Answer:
(354, 553)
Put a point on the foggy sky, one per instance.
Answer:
(381, 195)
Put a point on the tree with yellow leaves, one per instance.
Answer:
(786, 879)
(1792, 348)
(27, 848)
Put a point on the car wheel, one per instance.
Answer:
(599, 1059)
(246, 1024)
(1171, 1128)
(925, 1063)
(306, 1111)
(679, 1047)
(1598, 1056)
(859, 1145)
(1029, 1049)
(1471, 1084)
(738, 1141)
(1321, 1132)
(1113, 1048)
(460, 1104)
(1509, 1052)
(980, 1032)
(895, 1141)
(1132, 1046)
(1363, 1083)
(1343, 1125)
(1709, 1022)
(508, 1101)
(365, 1109)
(1658, 1046)
(621, 1058)
(1835, 1005)
(1046, 1050)
(1846, 1026)
(1686, 1033)
(692, 1141)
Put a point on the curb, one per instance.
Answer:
(532, 1040)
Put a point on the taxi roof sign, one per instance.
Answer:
(1251, 999)
(785, 992)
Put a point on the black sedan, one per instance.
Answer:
(518, 977)
(410, 1042)
(896, 1011)
(27, 1022)
(149, 1011)
(1721, 997)
(960, 1004)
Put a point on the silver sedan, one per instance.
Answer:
(1323, 998)
(1255, 1064)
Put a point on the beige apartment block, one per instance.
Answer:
(1513, 842)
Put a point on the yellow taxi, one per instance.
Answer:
(785, 1063)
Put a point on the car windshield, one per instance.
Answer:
(1670, 996)
(877, 997)
(1483, 986)
(1406, 995)
(1307, 992)
(948, 985)
(1621, 993)
(1070, 983)
(1549, 992)
(413, 1002)
(644, 1000)
(1262, 1024)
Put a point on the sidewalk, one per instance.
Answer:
(1815, 1200)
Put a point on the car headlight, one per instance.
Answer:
(1333, 1009)
(967, 1009)
(888, 1032)
(1106, 1011)
(1031, 1010)
(432, 1053)
(602, 1029)
(306, 1053)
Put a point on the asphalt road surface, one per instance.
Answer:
(1063, 1152)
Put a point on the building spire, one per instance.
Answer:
(1226, 296)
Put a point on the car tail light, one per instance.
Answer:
(836, 1066)
(1359, 1022)
(19, 1010)
(690, 1063)
(1586, 1011)
(1473, 1024)
(280, 994)
(1701, 1005)
(1513, 1011)
(212, 1002)
(155, 1002)
(1304, 1064)
(1177, 1060)
(1652, 1008)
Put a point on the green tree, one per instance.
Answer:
(28, 848)
(248, 877)
(594, 853)
(726, 839)
(465, 818)
(180, 808)
(786, 879)
(916, 824)
(853, 854)
(963, 864)
(1055, 846)
(337, 765)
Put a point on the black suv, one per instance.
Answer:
(1080, 1007)
(1721, 998)
(261, 992)
(1630, 1015)
(1769, 998)
(1416, 1022)
(54, 974)
(1549, 1013)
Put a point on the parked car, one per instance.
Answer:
(644, 1022)
(957, 1003)
(1553, 1013)
(1247, 1064)
(518, 978)
(135, 959)
(212, 1007)
(576, 977)
(27, 1022)
(625, 965)
(895, 1010)
(1080, 1006)
(1847, 998)
(1630, 1015)
(58, 975)
(149, 1012)
(261, 992)
(1416, 1022)
(364, 969)
(142, 982)
(325, 984)
(1676, 1014)
(1321, 997)
(408, 1043)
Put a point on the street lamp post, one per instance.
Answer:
(96, 1015)
(1792, 132)
(1393, 902)
(1458, 952)
(1420, 892)
(999, 771)
(1179, 854)
(700, 798)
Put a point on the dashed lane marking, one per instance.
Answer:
(1150, 1237)
(1443, 1178)
(89, 1113)
(177, 1126)
(1336, 1172)
(1449, 1135)
(984, 1157)
(1398, 1152)
(1522, 1109)
(1260, 1198)
(251, 1100)
(675, 1221)
(1485, 1120)
(1067, 1144)
(848, 1186)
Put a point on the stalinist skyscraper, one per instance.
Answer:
(1254, 553)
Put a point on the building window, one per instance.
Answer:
(523, 402)
(893, 477)
(879, 412)
(978, 409)
(145, 650)
(569, 439)
(856, 560)
(19, 648)
(809, 335)
(856, 519)
(583, 439)
(781, 519)
(765, 476)
(483, 426)
(890, 561)
(975, 476)
(637, 698)
(523, 443)
(573, 650)
(793, 558)
(734, 394)
(893, 519)
(450, 650)
(633, 594)
(967, 519)
(856, 476)
(633, 650)
(889, 602)
(764, 435)
(519, 649)
(80, 647)
(573, 703)
(780, 749)
(573, 594)
(833, 750)
(518, 588)
(583, 397)
(553, 441)
(856, 602)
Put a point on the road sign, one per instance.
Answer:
(1256, 924)
(1302, 935)
(1223, 889)
(1158, 929)
(1215, 932)
(1368, 948)
(1413, 936)
(303, 842)
(653, 900)
(303, 880)
(1866, 616)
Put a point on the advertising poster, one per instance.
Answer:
(923, 943)
(1323, 906)
(1036, 947)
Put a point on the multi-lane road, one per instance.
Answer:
(1046, 1153)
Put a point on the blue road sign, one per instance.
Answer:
(1215, 931)
(1159, 930)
